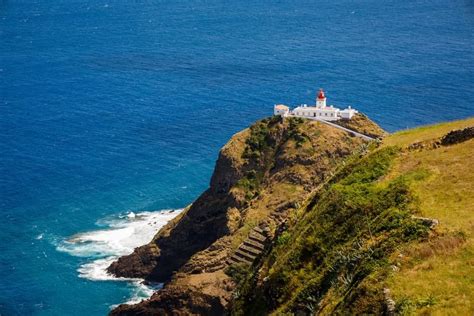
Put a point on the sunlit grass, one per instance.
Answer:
(423, 133)
(443, 268)
(356, 234)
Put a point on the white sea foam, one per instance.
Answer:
(142, 291)
(96, 270)
(120, 236)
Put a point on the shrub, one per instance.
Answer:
(237, 272)
(283, 239)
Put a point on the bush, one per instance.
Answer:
(283, 239)
(237, 272)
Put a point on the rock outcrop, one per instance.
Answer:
(207, 219)
(261, 174)
(458, 136)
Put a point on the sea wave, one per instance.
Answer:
(119, 236)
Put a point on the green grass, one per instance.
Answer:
(410, 136)
(344, 241)
(356, 235)
(442, 268)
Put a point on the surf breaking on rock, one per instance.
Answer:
(119, 236)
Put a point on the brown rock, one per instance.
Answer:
(251, 181)
(458, 136)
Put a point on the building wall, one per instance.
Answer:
(347, 114)
(280, 112)
(329, 114)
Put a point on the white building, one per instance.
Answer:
(281, 109)
(319, 111)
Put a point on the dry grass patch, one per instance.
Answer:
(439, 246)
(441, 270)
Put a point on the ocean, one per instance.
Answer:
(112, 113)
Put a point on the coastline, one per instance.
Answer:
(261, 176)
(274, 181)
(118, 236)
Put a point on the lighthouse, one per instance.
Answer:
(318, 112)
(321, 99)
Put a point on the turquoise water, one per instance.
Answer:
(112, 107)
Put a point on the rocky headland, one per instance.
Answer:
(299, 217)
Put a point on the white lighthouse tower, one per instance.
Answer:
(321, 99)
(318, 112)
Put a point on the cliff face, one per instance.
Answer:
(261, 177)
(201, 224)
(390, 233)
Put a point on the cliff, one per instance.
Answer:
(270, 167)
(303, 218)
(390, 233)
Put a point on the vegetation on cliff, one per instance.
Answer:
(365, 244)
(339, 247)
(436, 276)
(268, 169)
(352, 227)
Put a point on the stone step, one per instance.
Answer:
(241, 253)
(257, 236)
(277, 219)
(250, 250)
(236, 258)
(258, 230)
(252, 243)
(255, 239)
(232, 260)
(248, 253)
(241, 259)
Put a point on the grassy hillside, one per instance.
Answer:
(441, 269)
(365, 242)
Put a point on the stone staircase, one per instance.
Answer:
(277, 217)
(255, 243)
(250, 249)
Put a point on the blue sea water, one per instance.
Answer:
(109, 107)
